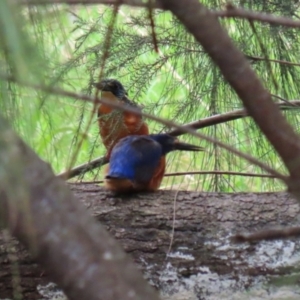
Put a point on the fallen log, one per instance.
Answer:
(188, 254)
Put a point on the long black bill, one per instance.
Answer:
(102, 85)
(188, 147)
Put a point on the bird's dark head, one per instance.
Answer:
(170, 143)
(111, 85)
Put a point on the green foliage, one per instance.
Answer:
(65, 46)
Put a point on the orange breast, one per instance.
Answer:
(119, 185)
(116, 125)
(158, 176)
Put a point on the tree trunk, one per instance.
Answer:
(198, 261)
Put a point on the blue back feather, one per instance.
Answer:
(135, 158)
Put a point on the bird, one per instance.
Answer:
(137, 162)
(115, 124)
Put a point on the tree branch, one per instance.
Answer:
(282, 62)
(41, 211)
(267, 235)
(133, 3)
(230, 12)
(208, 32)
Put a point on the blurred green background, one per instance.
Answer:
(64, 46)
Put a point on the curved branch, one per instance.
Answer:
(209, 121)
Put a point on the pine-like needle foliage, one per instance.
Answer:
(179, 83)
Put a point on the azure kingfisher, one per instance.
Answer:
(116, 124)
(136, 162)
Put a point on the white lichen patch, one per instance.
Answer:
(245, 278)
(50, 291)
(275, 254)
(107, 255)
(267, 254)
(264, 257)
(181, 255)
(211, 286)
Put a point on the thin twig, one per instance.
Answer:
(152, 24)
(267, 235)
(279, 61)
(173, 224)
(197, 173)
(229, 116)
(83, 168)
(265, 53)
(220, 173)
(230, 12)
(105, 55)
(134, 3)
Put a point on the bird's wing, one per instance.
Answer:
(135, 158)
(149, 153)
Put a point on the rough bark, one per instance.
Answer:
(203, 263)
